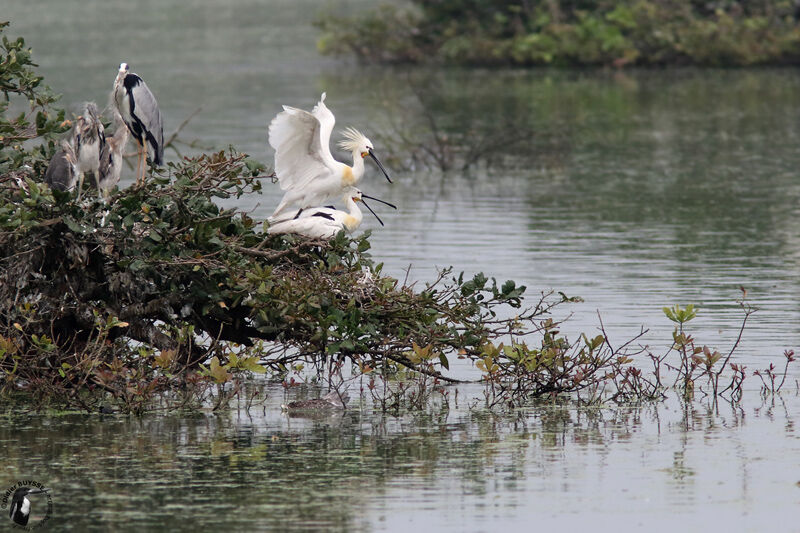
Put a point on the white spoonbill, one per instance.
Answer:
(326, 222)
(139, 110)
(305, 168)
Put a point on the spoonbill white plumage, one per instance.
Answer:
(326, 222)
(305, 168)
(139, 110)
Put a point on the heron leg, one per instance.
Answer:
(138, 163)
(144, 161)
(80, 185)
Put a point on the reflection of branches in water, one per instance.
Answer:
(419, 138)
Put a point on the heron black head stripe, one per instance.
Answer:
(323, 215)
(131, 81)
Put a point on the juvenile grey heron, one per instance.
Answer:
(304, 165)
(20, 509)
(111, 157)
(61, 173)
(139, 110)
(88, 139)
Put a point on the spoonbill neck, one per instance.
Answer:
(357, 169)
(354, 217)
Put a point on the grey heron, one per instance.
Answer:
(88, 138)
(139, 110)
(111, 156)
(304, 165)
(326, 222)
(61, 174)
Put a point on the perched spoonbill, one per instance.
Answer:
(326, 222)
(305, 168)
(139, 110)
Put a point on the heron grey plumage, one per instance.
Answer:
(88, 138)
(61, 173)
(139, 110)
(111, 156)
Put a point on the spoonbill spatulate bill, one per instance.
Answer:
(305, 168)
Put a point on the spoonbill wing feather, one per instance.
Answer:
(314, 227)
(299, 156)
(326, 123)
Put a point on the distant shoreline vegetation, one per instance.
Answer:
(724, 33)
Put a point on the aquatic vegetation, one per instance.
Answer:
(160, 298)
(505, 32)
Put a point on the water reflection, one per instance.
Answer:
(456, 469)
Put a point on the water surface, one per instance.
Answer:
(633, 190)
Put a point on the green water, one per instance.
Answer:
(634, 190)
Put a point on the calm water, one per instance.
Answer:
(634, 190)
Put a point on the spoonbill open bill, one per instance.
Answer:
(111, 157)
(20, 509)
(305, 168)
(300, 212)
(139, 110)
(61, 174)
(88, 138)
(326, 222)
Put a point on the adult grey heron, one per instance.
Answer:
(139, 110)
(88, 138)
(61, 173)
(304, 165)
(111, 156)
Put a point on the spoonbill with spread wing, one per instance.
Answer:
(305, 168)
